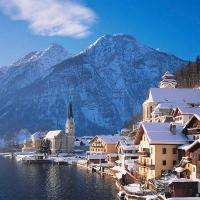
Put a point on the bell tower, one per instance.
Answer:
(168, 81)
(70, 128)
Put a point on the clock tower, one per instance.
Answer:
(167, 81)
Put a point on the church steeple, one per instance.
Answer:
(70, 128)
(70, 113)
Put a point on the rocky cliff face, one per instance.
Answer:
(109, 81)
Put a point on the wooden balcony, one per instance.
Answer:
(152, 167)
(193, 130)
(144, 153)
(140, 164)
(198, 163)
(194, 161)
(98, 146)
(198, 175)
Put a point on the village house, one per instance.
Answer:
(103, 145)
(183, 114)
(158, 143)
(32, 144)
(127, 153)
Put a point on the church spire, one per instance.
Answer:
(70, 113)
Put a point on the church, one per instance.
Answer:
(162, 100)
(61, 142)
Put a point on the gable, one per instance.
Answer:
(194, 122)
(139, 135)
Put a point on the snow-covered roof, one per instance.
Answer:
(189, 110)
(170, 105)
(119, 175)
(52, 134)
(184, 146)
(131, 154)
(159, 133)
(191, 118)
(38, 135)
(117, 168)
(96, 156)
(109, 139)
(112, 155)
(87, 137)
(174, 95)
(193, 144)
(168, 74)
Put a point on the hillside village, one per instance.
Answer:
(160, 154)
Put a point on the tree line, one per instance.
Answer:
(189, 75)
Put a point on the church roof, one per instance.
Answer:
(170, 105)
(52, 134)
(162, 95)
(167, 74)
(38, 135)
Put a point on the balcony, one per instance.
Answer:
(98, 146)
(194, 161)
(198, 175)
(140, 164)
(144, 153)
(198, 163)
(152, 167)
(193, 130)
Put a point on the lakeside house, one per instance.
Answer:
(32, 144)
(104, 144)
(158, 143)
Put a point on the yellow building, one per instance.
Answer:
(158, 143)
(104, 144)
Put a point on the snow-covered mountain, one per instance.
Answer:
(109, 81)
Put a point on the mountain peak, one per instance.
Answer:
(52, 50)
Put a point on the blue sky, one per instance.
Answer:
(32, 25)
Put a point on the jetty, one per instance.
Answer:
(36, 159)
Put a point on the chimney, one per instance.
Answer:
(173, 128)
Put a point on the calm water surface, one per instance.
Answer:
(20, 181)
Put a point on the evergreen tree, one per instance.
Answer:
(45, 147)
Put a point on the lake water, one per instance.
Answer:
(19, 181)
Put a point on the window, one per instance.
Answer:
(174, 162)
(193, 169)
(164, 162)
(174, 150)
(164, 150)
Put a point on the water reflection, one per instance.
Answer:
(52, 182)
